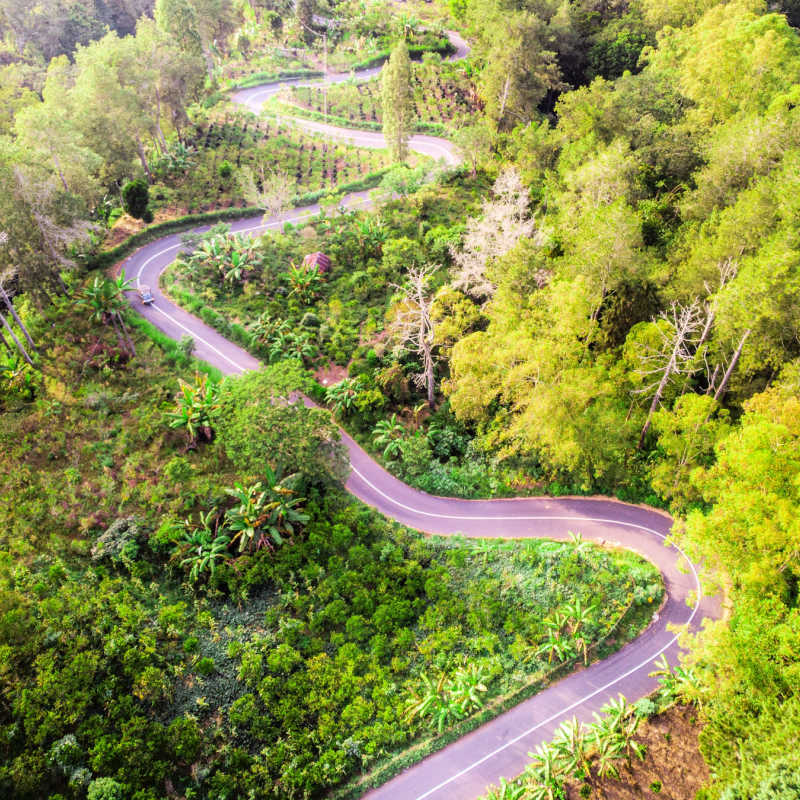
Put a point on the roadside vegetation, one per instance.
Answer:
(602, 298)
(178, 594)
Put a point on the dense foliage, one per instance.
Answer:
(116, 675)
(604, 298)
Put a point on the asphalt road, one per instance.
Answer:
(500, 748)
(255, 97)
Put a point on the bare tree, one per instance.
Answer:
(269, 191)
(723, 387)
(674, 356)
(413, 325)
(506, 219)
(15, 339)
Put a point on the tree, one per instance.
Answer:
(677, 335)
(687, 435)
(271, 191)
(412, 325)
(474, 141)
(520, 66)
(506, 219)
(304, 12)
(42, 224)
(397, 99)
(135, 197)
(264, 422)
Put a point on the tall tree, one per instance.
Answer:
(506, 219)
(397, 100)
(414, 326)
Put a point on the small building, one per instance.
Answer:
(318, 260)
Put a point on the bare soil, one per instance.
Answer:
(673, 768)
(330, 374)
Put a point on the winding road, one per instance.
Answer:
(499, 748)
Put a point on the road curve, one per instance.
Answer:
(499, 748)
(255, 97)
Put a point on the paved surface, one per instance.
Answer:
(255, 97)
(464, 769)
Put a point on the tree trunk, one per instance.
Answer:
(656, 401)
(429, 376)
(12, 310)
(723, 387)
(59, 170)
(505, 97)
(124, 336)
(16, 341)
(143, 158)
(4, 342)
(159, 131)
(209, 62)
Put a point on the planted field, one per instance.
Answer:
(207, 174)
(442, 94)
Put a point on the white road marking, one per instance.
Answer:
(433, 143)
(540, 518)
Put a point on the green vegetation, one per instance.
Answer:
(602, 300)
(442, 95)
(222, 145)
(170, 614)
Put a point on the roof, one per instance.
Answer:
(320, 260)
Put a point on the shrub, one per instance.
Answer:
(205, 666)
(120, 542)
(105, 789)
(135, 197)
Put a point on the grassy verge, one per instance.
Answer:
(107, 258)
(170, 347)
(258, 78)
(290, 109)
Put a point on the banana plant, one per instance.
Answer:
(266, 514)
(545, 775)
(389, 435)
(195, 407)
(305, 281)
(203, 546)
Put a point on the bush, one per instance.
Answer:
(135, 197)
(120, 542)
(105, 789)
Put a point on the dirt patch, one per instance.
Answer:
(330, 374)
(673, 768)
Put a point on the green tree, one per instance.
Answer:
(264, 422)
(135, 198)
(397, 99)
